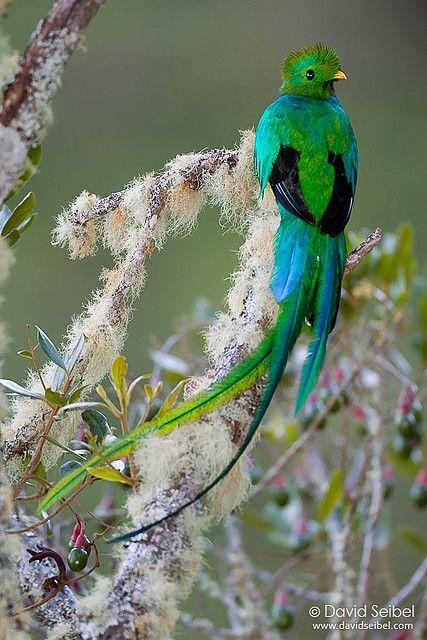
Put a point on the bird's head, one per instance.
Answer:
(311, 72)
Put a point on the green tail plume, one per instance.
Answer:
(286, 332)
(239, 379)
(326, 299)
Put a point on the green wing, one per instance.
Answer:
(272, 133)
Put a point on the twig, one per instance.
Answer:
(57, 589)
(415, 580)
(40, 553)
(55, 512)
(362, 250)
(373, 516)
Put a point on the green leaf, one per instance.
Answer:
(103, 394)
(40, 471)
(5, 215)
(110, 474)
(332, 496)
(35, 155)
(33, 160)
(97, 423)
(78, 406)
(171, 399)
(133, 384)
(55, 398)
(149, 391)
(21, 214)
(58, 378)
(16, 389)
(118, 373)
(72, 358)
(25, 354)
(76, 393)
(24, 226)
(69, 466)
(13, 237)
(411, 538)
(49, 348)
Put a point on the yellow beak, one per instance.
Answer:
(340, 75)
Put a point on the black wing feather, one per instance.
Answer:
(284, 181)
(338, 211)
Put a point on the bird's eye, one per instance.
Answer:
(310, 74)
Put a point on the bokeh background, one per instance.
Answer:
(162, 77)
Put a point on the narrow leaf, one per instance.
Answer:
(118, 373)
(133, 384)
(25, 354)
(76, 393)
(71, 359)
(103, 394)
(172, 398)
(79, 406)
(49, 348)
(16, 388)
(97, 423)
(58, 378)
(332, 496)
(149, 391)
(13, 237)
(24, 226)
(110, 474)
(5, 215)
(21, 213)
(35, 155)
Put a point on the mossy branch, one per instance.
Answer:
(26, 100)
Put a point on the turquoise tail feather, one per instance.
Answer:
(289, 324)
(327, 295)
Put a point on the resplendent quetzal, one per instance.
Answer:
(306, 150)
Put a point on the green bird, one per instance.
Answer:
(305, 149)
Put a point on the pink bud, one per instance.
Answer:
(82, 541)
(338, 373)
(281, 597)
(76, 531)
(406, 400)
(359, 412)
(388, 472)
(300, 527)
(421, 479)
(279, 481)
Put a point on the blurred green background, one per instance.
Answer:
(160, 78)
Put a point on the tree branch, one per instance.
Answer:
(25, 107)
